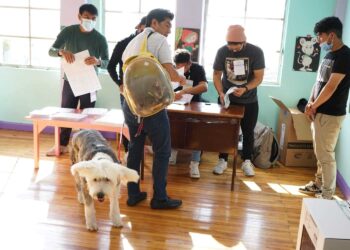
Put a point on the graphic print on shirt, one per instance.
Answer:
(323, 75)
(237, 70)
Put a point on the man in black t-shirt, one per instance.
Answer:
(196, 85)
(327, 105)
(116, 60)
(238, 71)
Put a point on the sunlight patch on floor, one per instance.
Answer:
(19, 223)
(252, 185)
(277, 188)
(292, 189)
(207, 241)
(126, 243)
(45, 170)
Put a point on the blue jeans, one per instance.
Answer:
(157, 128)
(196, 156)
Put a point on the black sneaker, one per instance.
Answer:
(311, 188)
(134, 200)
(165, 204)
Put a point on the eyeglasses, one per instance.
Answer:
(235, 43)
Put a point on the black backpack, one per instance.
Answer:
(266, 149)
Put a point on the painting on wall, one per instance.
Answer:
(306, 54)
(188, 38)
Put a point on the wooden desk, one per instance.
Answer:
(39, 124)
(206, 126)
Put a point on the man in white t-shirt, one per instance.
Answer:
(156, 127)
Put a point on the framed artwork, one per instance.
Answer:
(188, 38)
(306, 54)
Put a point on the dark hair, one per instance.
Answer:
(158, 14)
(143, 20)
(88, 8)
(329, 24)
(182, 56)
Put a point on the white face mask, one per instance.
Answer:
(87, 24)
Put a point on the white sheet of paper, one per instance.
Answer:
(82, 78)
(186, 98)
(239, 67)
(227, 96)
(181, 72)
(93, 96)
(114, 116)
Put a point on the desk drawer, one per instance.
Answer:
(209, 134)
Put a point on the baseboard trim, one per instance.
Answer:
(48, 130)
(343, 186)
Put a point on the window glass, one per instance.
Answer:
(14, 22)
(40, 57)
(15, 3)
(122, 17)
(48, 29)
(50, 4)
(27, 31)
(14, 50)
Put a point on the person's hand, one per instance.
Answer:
(222, 98)
(182, 80)
(121, 89)
(67, 55)
(310, 112)
(178, 95)
(91, 60)
(239, 92)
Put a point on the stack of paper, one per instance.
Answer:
(112, 117)
(68, 116)
(49, 111)
(186, 98)
(94, 111)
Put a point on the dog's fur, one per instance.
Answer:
(97, 174)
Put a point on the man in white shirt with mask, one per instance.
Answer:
(156, 126)
(71, 40)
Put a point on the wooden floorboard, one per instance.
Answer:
(39, 210)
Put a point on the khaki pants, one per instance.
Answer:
(325, 131)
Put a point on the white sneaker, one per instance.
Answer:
(220, 167)
(194, 171)
(52, 151)
(248, 168)
(173, 157)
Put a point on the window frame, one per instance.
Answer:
(29, 37)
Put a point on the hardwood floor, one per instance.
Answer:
(39, 209)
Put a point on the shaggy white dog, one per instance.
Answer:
(98, 175)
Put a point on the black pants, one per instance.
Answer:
(70, 101)
(125, 141)
(248, 123)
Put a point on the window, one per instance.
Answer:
(263, 27)
(122, 16)
(28, 28)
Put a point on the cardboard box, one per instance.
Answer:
(294, 137)
(324, 225)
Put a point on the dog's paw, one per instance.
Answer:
(117, 224)
(92, 227)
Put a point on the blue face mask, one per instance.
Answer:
(326, 47)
